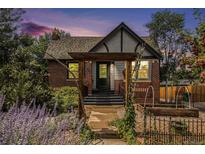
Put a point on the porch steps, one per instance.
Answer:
(103, 100)
(100, 117)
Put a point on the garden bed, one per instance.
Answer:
(169, 110)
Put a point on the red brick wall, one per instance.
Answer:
(58, 75)
(155, 82)
(58, 78)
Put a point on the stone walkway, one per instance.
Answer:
(100, 116)
(99, 119)
(109, 142)
(113, 142)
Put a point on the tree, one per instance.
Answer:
(57, 34)
(196, 42)
(22, 79)
(9, 24)
(165, 29)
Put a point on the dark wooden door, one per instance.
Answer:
(103, 76)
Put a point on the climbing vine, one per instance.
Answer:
(127, 125)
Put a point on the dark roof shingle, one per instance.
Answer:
(60, 48)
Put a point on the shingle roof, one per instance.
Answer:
(60, 48)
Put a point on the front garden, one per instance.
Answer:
(36, 125)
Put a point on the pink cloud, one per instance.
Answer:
(74, 24)
(34, 29)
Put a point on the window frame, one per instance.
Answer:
(72, 62)
(136, 78)
(100, 75)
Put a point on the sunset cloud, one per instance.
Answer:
(75, 24)
(34, 29)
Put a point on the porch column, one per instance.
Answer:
(127, 78)
(90, 78)
(81, 67)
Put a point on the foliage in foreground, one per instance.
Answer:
(34, 125)
(86, 135)
(23, 77)
(64, 98)
(126, 126)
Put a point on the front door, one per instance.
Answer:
(103, 76)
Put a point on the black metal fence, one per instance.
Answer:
(169, 130)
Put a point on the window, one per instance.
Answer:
(73, 67)
(102, 71)
(144, 71)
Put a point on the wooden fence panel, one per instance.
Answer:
(197, 92)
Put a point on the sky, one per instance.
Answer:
(94, 22)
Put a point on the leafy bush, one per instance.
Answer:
(126, 126)
(86, 135)
(34, 125)
(66, 97)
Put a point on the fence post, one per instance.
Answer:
(155, 131)
(145, 125)
(170, 134)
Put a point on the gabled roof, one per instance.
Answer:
(60, 48)
(123, 26)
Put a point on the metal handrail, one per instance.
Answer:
(152, 88)
(178, 95)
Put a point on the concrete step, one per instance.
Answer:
(104, 109)
(106, 133)
(101, 120)
(113, 141)
(104, 97)
(103, 103)
(101, 117)
(103, 100)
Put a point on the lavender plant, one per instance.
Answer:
(30, 124)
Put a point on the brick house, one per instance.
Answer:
(103, 65)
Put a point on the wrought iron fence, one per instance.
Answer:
(169, 130)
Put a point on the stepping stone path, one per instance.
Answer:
(99, 119)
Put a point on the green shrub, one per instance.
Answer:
(65, 97)
(86, 135)
(126, 126)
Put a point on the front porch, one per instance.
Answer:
(104, 82)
